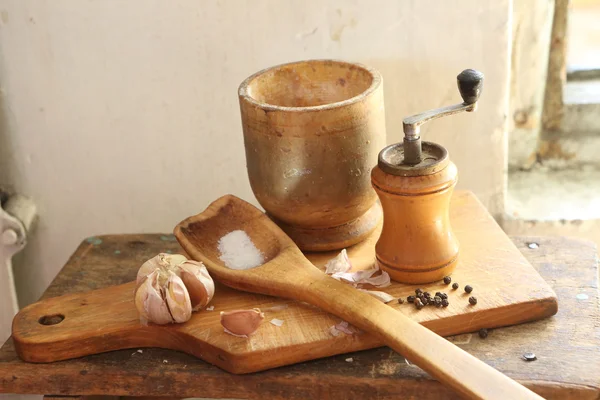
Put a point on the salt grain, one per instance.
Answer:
(276, 322)
(238, 251)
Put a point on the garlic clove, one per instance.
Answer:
(150, 302)
(242, 322)
(178, 299)
(200, 285)
(161, 260)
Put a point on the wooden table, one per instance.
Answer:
(567, 346)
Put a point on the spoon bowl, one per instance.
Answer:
(199, 236)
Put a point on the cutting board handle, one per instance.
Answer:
(80, 324)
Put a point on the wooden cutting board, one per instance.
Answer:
(508, 289)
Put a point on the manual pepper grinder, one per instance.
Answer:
(414, 181)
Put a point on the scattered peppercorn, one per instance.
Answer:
(447, 280)
(418, 304)
(438, 301)
(455, 285)
(418, 291)
(410, 299)
(400, 300)
(444, 296)
(445, 303)
(473, 300)
(529, 357)
(468, 288)
(483, 333)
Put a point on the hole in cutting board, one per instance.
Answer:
(51, 319)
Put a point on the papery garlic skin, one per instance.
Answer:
(161, 261)
(200, 285)
(242, 322)
(178, 299)
(150, 302)
(338, 264)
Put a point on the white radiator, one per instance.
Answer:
(16, 217)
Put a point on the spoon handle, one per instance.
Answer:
(467, 375)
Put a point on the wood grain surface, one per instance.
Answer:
(567, 345)
(286, 273)
(509, 291)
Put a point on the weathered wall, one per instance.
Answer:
(122, 116)
(531, 28)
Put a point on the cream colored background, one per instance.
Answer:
(122, 116)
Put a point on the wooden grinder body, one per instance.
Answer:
(417, 244)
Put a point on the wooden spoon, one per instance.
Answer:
(287, 273)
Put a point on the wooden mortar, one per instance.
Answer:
(312, 132)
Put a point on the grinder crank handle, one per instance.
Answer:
(470, 85)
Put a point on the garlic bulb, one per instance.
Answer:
(170, 287)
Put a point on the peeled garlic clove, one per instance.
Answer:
(178, 299)
(242, 322)
(161, 260)
(200, 285)
(150, 303)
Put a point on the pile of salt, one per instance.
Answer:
(238, 251)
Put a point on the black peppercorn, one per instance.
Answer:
(455, 285)
(410, 299)
(443, 296)
(468, 288)
(400, 300)
(418, 291)
(447, 280)
(473, 300)
(438, 301)
(418, 304)
(483, 333)
(445, 303)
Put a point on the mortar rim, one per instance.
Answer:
(376, 82)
